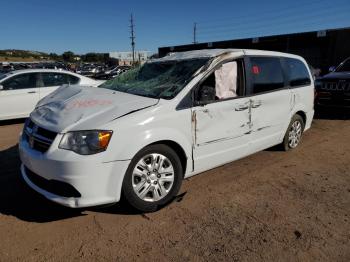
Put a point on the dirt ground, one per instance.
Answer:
(271, 206)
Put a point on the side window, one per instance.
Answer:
(227, 81)
(73, 80)
(21, 81)
(297, 72)
(54, 79)
(267, 74)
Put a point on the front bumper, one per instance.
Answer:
(96, 182)
(330, 100)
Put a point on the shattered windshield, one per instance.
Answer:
(157, 79)
(344, 67)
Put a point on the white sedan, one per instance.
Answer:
(21, 90)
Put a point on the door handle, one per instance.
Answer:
(241, 108)
(205, 110)
(256, 104)
(31, 92)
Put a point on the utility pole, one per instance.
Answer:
(132, 37)
(195, 33)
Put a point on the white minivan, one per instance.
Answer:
(140, 134)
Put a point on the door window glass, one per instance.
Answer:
(225, 82)
(54, 79)
(267, 74)
(21, 81)
(297, 73)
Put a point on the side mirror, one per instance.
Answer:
(199, 103)
(1, 87)
(331, 69)
(206, 94)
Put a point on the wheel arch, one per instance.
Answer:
(302, 114)
(178, 150)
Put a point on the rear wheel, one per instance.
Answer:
(153, 178)
(294, 132)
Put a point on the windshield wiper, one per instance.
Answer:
(144, 95)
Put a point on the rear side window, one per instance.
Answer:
(73, 80)
(54, 79)
(267, 74)
(58, 79)
(297, 72)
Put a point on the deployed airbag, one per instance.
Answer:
(226, 80)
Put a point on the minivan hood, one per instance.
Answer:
(81, 108)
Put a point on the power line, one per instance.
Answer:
(272, 24)
(273, 10)
(269, 25)
(258, 21)
(276, 28)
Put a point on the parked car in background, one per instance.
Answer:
(107, 74)
(333, 89)
(60, 66)
(125, 68)
(139, 135)
(112, 72)
(90, 70)
(21, 90)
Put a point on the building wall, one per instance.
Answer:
(321, 49)
(125, 58)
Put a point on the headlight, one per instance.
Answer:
(86, 142)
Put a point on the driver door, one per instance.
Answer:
(220, 127)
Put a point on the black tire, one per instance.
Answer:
(286, 142)
(128, 191)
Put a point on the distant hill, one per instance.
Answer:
(22, 55)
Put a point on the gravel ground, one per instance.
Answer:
(271, 206)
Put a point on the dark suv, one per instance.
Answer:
(333, 89)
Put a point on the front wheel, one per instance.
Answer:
(153, 178)
(294, 132)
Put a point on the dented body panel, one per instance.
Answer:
(222, 132)
(270, 114)
(79, 108)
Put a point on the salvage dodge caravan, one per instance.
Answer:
(140, 134)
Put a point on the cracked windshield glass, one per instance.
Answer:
(157, 79)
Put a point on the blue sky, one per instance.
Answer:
(102, 26)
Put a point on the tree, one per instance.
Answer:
(95, 57)
(53, 56)
(68, 56)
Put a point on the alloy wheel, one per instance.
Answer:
(153, 177)
(294, 135)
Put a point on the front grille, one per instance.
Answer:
(39, 139)
(56, 187)
(336, 86)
